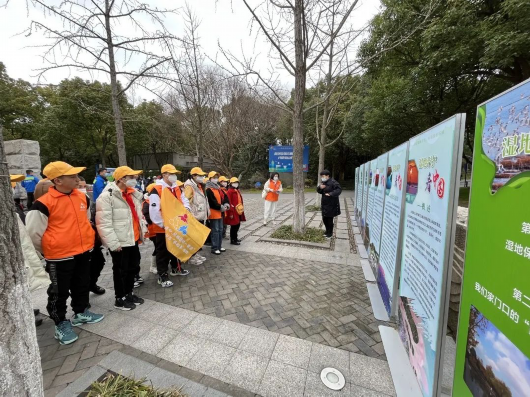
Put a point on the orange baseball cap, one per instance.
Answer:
(60, 168)
(170, 168)
(122, 171)
(197, 171)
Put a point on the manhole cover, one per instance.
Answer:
(332, 378)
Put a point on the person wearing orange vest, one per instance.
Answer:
(150, 226)
(163, 256)
(59, 228)
(218, 202)
(273, 188)
(235, 215)
(223, 183)
(119, 224)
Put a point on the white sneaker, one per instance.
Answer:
(195, 261)
(216, 252)
(153, 269)
(200, 257)
(165, 283)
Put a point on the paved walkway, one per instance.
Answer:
(303, 300)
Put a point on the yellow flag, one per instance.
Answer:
(184, 234)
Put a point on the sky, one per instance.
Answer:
(222, 21)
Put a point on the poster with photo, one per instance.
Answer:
(433, 170)
(377, 212)
(370, 208)
(493, 345)
(356, 206)
(364, 200)
(389, 263)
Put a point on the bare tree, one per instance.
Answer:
(89, 40)
(20, 372)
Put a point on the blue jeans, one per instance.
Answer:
(216, 226)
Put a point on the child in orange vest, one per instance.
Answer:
(218, 202)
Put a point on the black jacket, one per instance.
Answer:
(330, 204)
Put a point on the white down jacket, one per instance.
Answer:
(114, 219)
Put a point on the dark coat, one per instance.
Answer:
(330, 204)
(231, 216)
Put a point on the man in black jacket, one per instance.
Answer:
(330, 190)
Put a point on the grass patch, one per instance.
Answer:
(311, 234)
(463, 197)
(312, 208)
(117, 385)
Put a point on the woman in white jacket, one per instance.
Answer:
(121, 228)
(271, 191)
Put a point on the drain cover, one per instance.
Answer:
(332, 378)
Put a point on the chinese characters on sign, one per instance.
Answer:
(513, 146)
(519, 249)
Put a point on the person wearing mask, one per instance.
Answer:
(151, 234)
(163, 256)
(29, 183)
(330, 190)
(42, 188)
(236, 213)
(59, 228)
(19, 208)
(119, 223)
(194, 192)
(218, 203)
(99, 184)
(223, 183)
(271, 191)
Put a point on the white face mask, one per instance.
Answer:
(214, 180)
(235, 185)
(82, 190)
(172, 178)
(324, 178)
(200, 179)
(275, 179)
(223, 184)
(130, 183)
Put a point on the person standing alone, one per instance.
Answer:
(29, 183)
(119, 224)
(330, 190)
(272, 189)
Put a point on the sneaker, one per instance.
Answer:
(216, 252)
(200, 257)
(96, 289)
(139, 279)
(175, 272)
(195, 260)
(152, 268)
(64, 333)
(136, 284)
(164, 281)
(87, 317)
(222, 249)
(235, 243)
(327, 237)
(131, 298)
(124, 304)
(239, 240)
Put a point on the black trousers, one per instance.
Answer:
(124, 267)
(328, 223)
(163, 256)
(69, 278)
(97, 261)
(31, 199)
(234, 229)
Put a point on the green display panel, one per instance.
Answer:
(493, 346)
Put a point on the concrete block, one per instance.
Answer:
(131, 331)
(282, 380)
(230, 333)
(245, 370)
(162, 379)
(371, 373)
(260, 342)
(292, 351)
(211, 359)
(155, 339)
(126, 365)
(82, 382)
(315, 388)
(202, 326)
(181, 349)
(325, 356)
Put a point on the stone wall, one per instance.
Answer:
(458, 269)
(23, 155)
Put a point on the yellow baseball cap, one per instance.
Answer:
(150, 187)
(197, 171)
(234, 179)
(60, 168)
(122, 171)
(206, 179)
(223, 179)
(180, 183)
(211, 174)
(170, 168)
(17, 178)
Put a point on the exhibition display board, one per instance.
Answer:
(493, 346)
(356, 206)
(370, 206)
(379, 183)
(389, 259)
(433, 173)
(364, 199)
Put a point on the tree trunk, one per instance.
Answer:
(118, 122)
(20, 371)
(298, 120)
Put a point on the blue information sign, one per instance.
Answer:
(281, 158)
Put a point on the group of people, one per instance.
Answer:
(69, 230)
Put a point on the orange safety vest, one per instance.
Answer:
(69, 231)
(271, 196)
(176, 192)
(216, 214)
